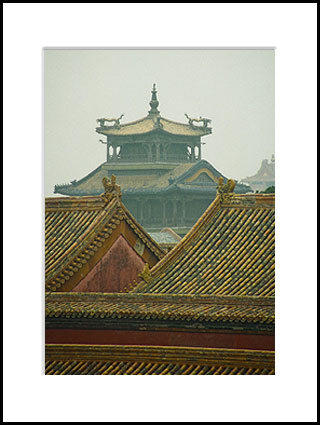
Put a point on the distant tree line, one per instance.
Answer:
(270, 189)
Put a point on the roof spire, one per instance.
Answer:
(154, 101)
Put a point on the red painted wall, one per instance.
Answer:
(116, 269)
(161, 338)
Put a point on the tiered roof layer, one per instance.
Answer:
(151, 307)
(182, 176)
(150, 123)
(136, 360)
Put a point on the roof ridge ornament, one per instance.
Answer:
(225, 190)
(116, 121)
(154, 103)
(205, 121)
(145, 274)
(111, 189)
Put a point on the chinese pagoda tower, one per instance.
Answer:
(158, 164)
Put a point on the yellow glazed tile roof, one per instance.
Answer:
(149, 123)
(150, 360)
(258, 310)
(149, 177)
(93, 182)
(229, 251)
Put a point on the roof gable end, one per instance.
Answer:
(79, 231)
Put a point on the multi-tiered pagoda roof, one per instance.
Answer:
(158, 163)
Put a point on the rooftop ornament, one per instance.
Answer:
(205, 121)
(154, 103)
(116, 121)
(225, 190)
(111, 189)
(145, 274)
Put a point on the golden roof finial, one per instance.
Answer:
(154, 103)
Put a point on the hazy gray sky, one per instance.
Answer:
(235, 88)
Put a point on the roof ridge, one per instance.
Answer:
(77, 182)
(131, 297)
(131, 122)
(158, 123)
(152, 119)
(197, 165)
(171, 232)
(73, 203)
(177, 122)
